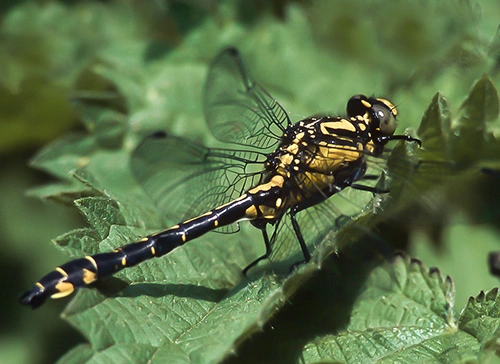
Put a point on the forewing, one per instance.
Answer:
(237, 109)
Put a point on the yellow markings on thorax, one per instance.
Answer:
(329, 159)
(299, 136)
(39, 285)
(342, 124)
(276, 181)
(312, 181)
(291, 151)
(370, 147)
(293, 148)
(286, 160)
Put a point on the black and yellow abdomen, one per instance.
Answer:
(261, 203)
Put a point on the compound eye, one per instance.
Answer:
(387, 121)
(357, 105)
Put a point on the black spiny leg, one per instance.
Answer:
(265, 255)
(405, 138)
(368, 188)
(298, 233)
(368, 177)
(311, 201)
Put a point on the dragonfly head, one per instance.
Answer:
(379, 114)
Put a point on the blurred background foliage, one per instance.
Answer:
(311, 55)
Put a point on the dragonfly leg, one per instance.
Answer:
(298, 233)
(262, 257)
(368, 188)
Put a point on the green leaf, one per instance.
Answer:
(404, 314)
(435, 127)
(101, 213)
(64, 155)
(178, 324)
(481, 319)
(480, 107)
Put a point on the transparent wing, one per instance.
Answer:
(315, 222)
(186, 179)
(237, 109)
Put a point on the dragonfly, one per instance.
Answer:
(277, 174)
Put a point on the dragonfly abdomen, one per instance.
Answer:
(81, 272)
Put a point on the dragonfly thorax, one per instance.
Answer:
(323, 155)
(315, 154)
